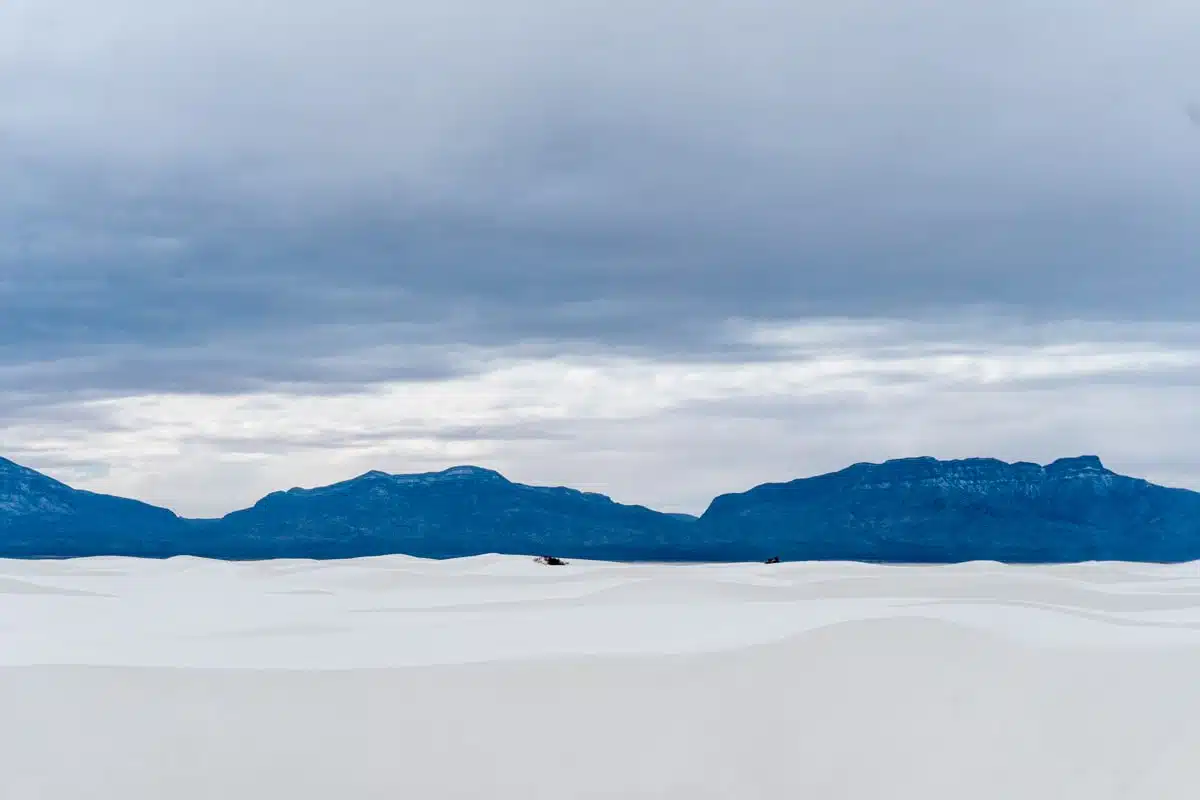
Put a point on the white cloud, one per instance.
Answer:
(670, 434)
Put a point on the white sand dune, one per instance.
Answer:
(496, 677)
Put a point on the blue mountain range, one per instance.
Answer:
(905, 510)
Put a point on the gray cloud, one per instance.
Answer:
(613, 173)
(316, 198)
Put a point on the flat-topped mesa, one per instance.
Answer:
(926, 468)
(971, 475)
(459, 473)
(929, 464)
(922, 509)
(378, 480)
(1077, 465)
(968, 473)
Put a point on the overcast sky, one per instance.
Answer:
(659, 249)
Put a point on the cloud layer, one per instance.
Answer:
(217, 214)
(668, 433)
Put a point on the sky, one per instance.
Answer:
(657, 249)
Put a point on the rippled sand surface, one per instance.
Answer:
(497, 677)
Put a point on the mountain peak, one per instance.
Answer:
(1077, 464)
(459, 473)
(377, 480)
(468, 471)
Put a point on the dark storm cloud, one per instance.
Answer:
(226, 196)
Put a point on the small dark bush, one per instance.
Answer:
(550, 561)
(772, 560)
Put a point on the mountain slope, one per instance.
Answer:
(908, 510)
(40, 516)
(922, 509)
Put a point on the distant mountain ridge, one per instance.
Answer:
(904, 510)
(922, 509)
(40, 516)
(461, 511)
